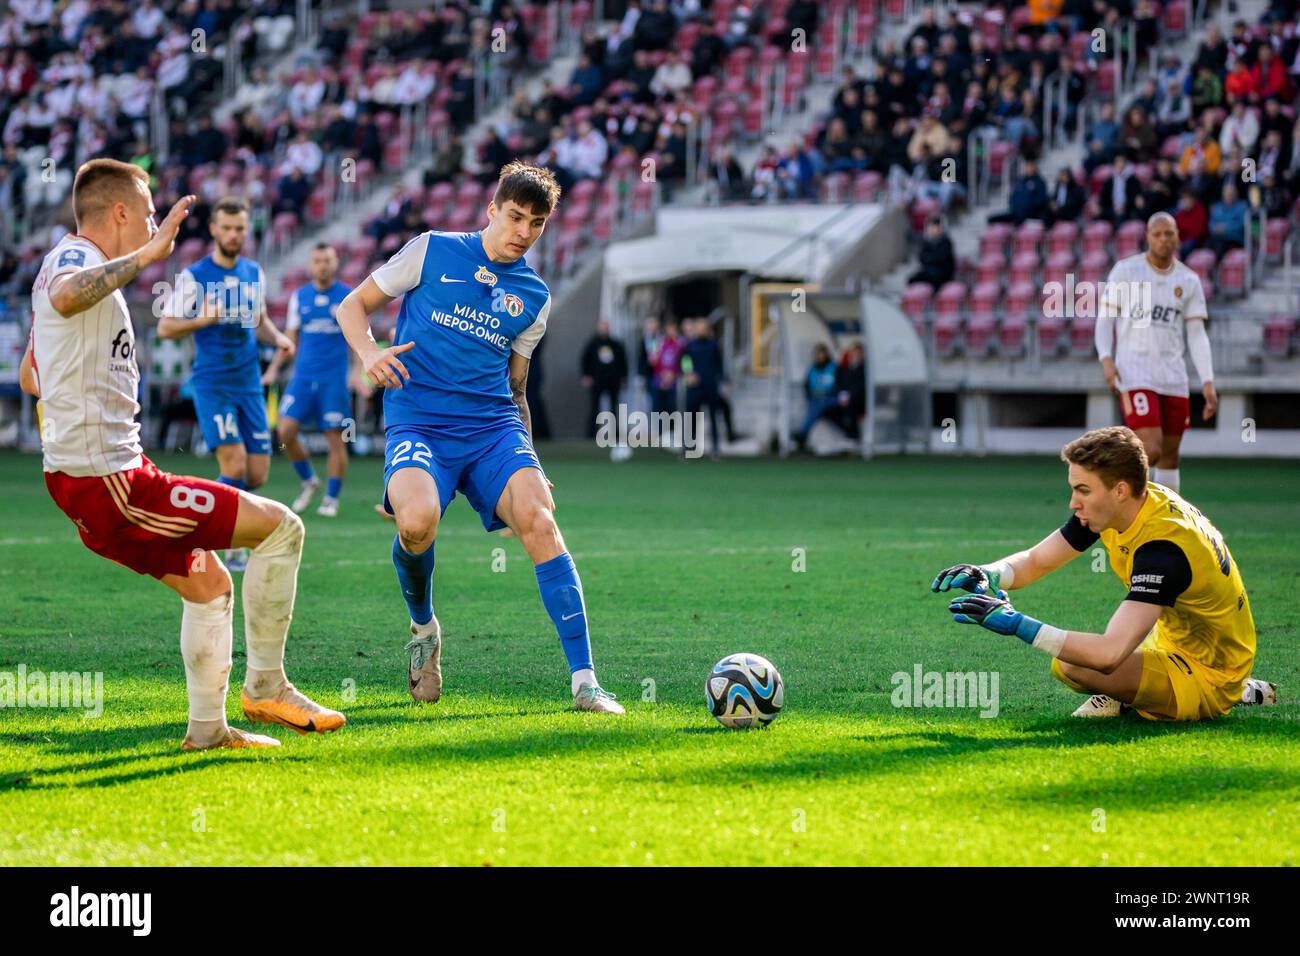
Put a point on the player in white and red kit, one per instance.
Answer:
(1150, 301)
(81, 365)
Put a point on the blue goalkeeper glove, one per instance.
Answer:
(995, 613)
(969, 577)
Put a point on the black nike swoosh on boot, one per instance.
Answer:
(309, 727)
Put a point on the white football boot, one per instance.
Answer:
(596, 699)
(424, 673)
(1099, 705)
(309, 489)
(1258, 693)
(329, 508)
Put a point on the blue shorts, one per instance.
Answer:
(478, 468)
(231, 418)
(313, 403)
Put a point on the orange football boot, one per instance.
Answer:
(293, 709)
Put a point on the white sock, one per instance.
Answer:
(205, 648)
(1167, 477)
(584, 676)
(432, 629)
(270, 584)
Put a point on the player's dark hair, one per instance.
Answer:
(533, 187)
(230, 205)
(1114, 453)
(101, 182)
(321, 246)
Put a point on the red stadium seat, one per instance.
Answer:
(1232, 273)
(978, 339)
(916, 299)
(1176, 17)
(951, 300)
(1104, 85)
(1129, 239)
(922, 209)
(866, 185)
(1058, 266)
(1096, 237)
(947, 329)
(1094, 268)
(1000, 153)
(1051, 336)
(1082, 335)
(1024, 268)
(1279, 333)
(1061, 237)
(1201, 261)
(991, 269)
(994, 238)
(1275, 236)
(1029, 237)
(1013, 336)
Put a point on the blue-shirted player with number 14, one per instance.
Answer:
(456, 414)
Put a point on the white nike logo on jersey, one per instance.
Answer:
(445, 279)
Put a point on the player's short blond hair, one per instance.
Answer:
(1114, 454)
(101, 182)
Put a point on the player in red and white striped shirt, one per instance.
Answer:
(1150, 302)
(81, 365)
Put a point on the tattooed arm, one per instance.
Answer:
(77, 291)
(518, 389)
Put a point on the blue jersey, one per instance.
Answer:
(322, 349)
(225, 353)
(465, 314)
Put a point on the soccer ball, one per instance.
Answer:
(744, 690)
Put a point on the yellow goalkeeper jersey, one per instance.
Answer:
(1173, 556)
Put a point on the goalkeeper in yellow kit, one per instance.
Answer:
(1181, 644)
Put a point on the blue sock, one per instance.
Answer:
(557, 579)
(239, 483)
(303, 468)
(415, 575)
(332, 487)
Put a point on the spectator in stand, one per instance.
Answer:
(448, 162)
(839, 151)
(604, 372)
(1076, 91)
(1241, 83)
(304, 154)
(929, 132)
(1207, 90)
(1204, 148)
(1067, 200)
(708, 52)
(655, 28)
(647, 347)
(1270, 155)
(820, 390)
(851, 390)
(1119, 194)
(764, 182)
(705, 376)
(367, 140)
(640, 76)
(1274, 120)
(589, 152)
(1161, 193)
(1269, 76)
(206, 144)
(1028, 198)
(1138, 136)
(1103, 138)
(1192, 221)
(587, 81)
(937, 259)
(797, 170)
(1212, 53)
(666, 362)
(872, 141)
(1228, 221)
(672, 76)
(294, 189)
(1267, 196)
(1240, 129)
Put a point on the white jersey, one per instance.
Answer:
(85, 366)
(1150, 309)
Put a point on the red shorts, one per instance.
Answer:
(151, 521)
(1143, 408)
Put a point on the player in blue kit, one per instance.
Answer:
(318, 392)
(221, 301)
(456, 414)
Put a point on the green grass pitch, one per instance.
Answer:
(682, 563)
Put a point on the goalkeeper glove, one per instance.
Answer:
(980, 579)
(995, 613)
